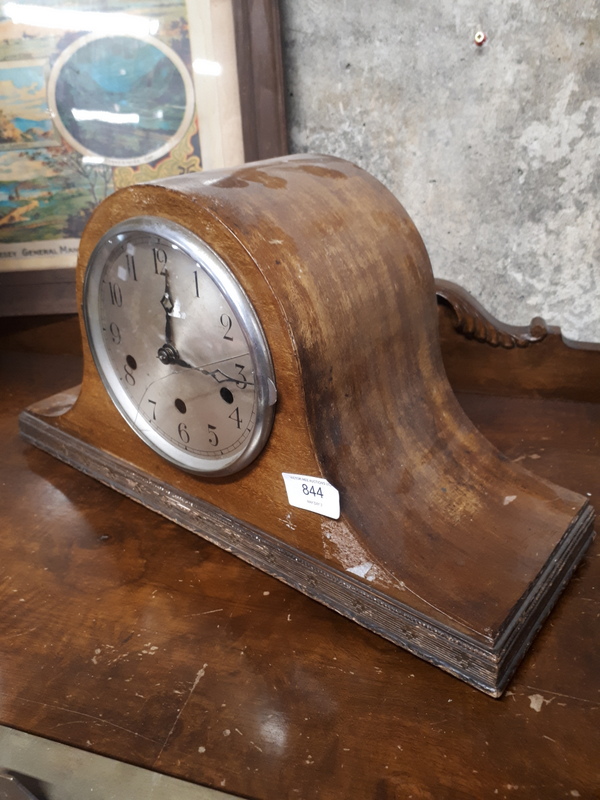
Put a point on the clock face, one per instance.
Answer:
(179, 346)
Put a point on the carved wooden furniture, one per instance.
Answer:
(444, 546)
(122, 634)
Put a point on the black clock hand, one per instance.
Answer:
(168, 352)
(167, 303)
(221, 377)
(169, 355)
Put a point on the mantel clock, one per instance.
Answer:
(262, 366)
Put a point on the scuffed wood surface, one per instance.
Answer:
(139, 641)
(125, 635)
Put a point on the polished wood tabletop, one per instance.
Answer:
(122, 634)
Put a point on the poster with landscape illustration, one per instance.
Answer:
(92, 98)
(24, 119)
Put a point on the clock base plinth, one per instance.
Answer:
(486, 664)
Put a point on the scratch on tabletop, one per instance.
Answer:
(202, 613)
(402, 585)
(22, 633)
(558, 694)
(200, 674)
(101, 720)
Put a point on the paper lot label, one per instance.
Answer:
(312, 494)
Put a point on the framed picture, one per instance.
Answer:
(95, 96)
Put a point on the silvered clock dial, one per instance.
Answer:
(179, 346)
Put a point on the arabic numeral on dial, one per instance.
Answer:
(196, 283)
(160, 260)
(129, 376)
(213, 439)
(153, 404)
(235, 416)
(116, 297)
(244, 380)
(183, 433)
(131, 266)
(226, 323)
(115, 333)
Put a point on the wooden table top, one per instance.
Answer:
(125, 635)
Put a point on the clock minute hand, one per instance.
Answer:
(221, 377)
(168, 354)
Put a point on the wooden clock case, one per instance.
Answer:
(443, 546)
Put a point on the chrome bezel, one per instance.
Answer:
(207, 259)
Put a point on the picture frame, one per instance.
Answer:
(238, 99)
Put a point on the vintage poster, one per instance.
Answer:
(91, 98)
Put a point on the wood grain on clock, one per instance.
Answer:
(444, 545)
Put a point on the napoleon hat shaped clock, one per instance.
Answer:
(277, 319)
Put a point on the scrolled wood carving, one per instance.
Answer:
(474, 322)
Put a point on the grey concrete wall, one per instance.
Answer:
(494, 151)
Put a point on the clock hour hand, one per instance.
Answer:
(168, 352)
(167, 303)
